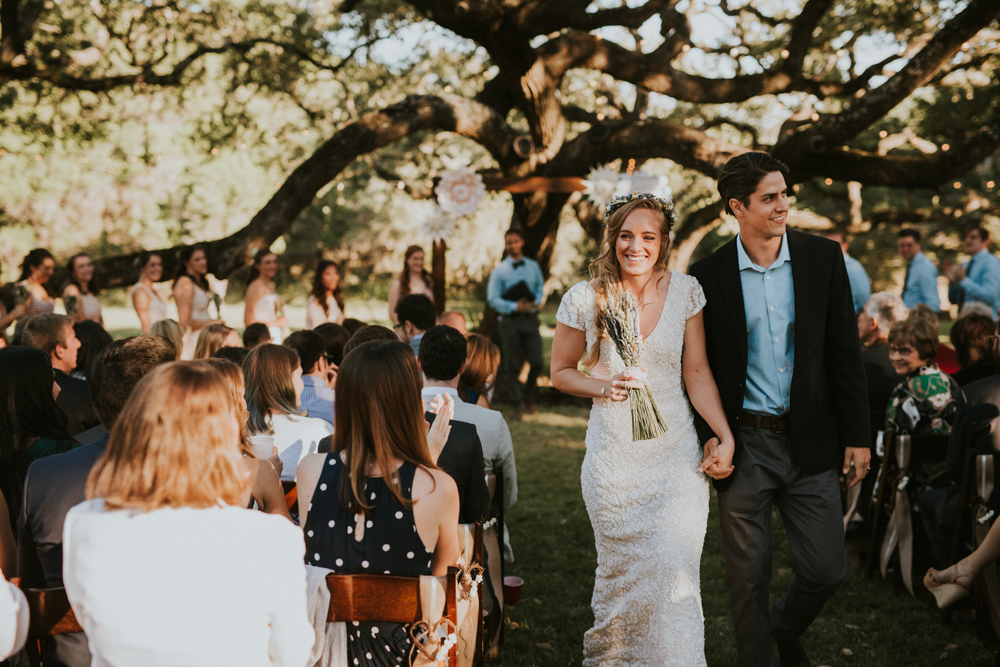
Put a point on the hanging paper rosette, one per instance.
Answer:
(601, 184)
(437, 224)
(657, 186)
(460, 191)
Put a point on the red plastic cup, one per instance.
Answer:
(512, 590)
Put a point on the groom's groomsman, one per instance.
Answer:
(979, 278)
(920, 281)
(782, 342)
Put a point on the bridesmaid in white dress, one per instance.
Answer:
(36, 271)
(147, 303)
(647, 500)
(262, 301)
(326, 301)
(192, 295)
(80, 294)
(413, 279)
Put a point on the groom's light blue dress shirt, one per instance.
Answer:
(982, 282)
(769, 302)
(921, 283)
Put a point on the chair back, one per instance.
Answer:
(49, 614)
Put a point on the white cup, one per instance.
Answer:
(262, 445)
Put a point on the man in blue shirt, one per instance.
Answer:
(979, 278)
(861, 284)
(920, 283)
(518, 306)
(317, 397)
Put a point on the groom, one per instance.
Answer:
(782, 341)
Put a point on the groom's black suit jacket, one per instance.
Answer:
(829, 395)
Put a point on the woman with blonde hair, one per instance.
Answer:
(162, 548)
(170, 330)
(413, 279)
(481, 371)
(647, 499)
(213, 337)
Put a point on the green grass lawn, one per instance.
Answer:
(864, 624)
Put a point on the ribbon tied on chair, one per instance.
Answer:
(899, 531)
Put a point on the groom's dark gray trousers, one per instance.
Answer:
(766, 474)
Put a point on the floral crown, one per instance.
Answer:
(619, 201)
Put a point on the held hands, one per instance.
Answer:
(717, 461)
(525, 306)
(861, 459)
(616, 389)
(954, 272)
(437, 434)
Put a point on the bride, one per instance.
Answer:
(647, 500)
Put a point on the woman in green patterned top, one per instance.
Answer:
(925, 401)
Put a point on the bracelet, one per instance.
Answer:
(603, 387)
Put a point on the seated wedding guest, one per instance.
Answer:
(480, 374)
(237, 355)
(169, 330)
(946, 358)
(80, 293)
(442, 360)
(256, 334)
(924, 402)
(326, 301)
(147, 303)
(273, 378)
(162, 564)
(875, 320)
(36, 271)
(352, 325)
(55, 484)
(263, 305)
(975, 308)
(378, 504)
(415, 314)
(8, 543)
(214, 337)
(455, 320)
(263, 482)
(317, 397)
(972, 336)
(413, 279)
(334, 337)
(192, 294)
(93, 338)
(367, 334)
(954, 583)
(14, 618)
(54, 335)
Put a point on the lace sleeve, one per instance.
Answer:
(696, 297)
(572, 308)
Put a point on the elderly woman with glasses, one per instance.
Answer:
(925, 401)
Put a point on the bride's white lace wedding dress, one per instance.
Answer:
(647, 501)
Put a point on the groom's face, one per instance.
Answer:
(767, 211)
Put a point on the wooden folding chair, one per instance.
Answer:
(373, 598)
(493, 542)
(470, 540)
(291, 496)
(50, 615)
(879, 509)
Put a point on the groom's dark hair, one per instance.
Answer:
(743, 173)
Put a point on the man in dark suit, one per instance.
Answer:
(782, 342)
(53, 334)
(56, 483)
(462, 458)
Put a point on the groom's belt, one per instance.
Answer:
(777, 424)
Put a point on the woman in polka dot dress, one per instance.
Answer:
(357, 521)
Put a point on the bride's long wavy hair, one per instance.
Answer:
(605, 271)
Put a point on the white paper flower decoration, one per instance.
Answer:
(437, 224)
(601, 183)
(658, 186)
(460, 191)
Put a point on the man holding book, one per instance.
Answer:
(515, 291)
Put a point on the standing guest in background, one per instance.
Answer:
(317, 397)
(979, 278)
(861, 284)
(256, 334)
(171, 331)
(54, 335)
(326, 301)
(237, 355)
(515, 291)
(36, 271)
(273, 378)
(415, 314)
(946, 358)
(413, 279)
(192, 295)
(352, 325)
(920, 281)
(147, 303)
(55, 484)
(480, 374)
(455, 320)
(93, 338)
(214, 337)
(973, 337)
(925, 401)
(262, 301)
(80, 294)
(166, 539)
(368, 334)
(878, 316)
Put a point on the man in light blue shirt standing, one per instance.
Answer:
(920, 283)
(979, 278)
(861, 284)
(515, 291)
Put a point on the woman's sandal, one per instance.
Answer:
(947, 593)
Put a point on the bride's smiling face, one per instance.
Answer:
(639, 242)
